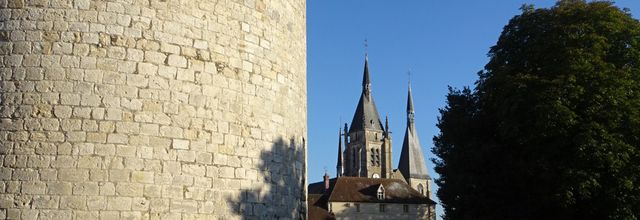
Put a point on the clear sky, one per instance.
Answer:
(443, 43)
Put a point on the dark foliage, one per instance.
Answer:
(552, 129)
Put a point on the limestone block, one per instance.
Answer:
(33, 188)
(15, 3)
(73, 175)
(177, 61)
(129, 189)
(154, 57)
(180, 144)
(184, 206)
(142, 176)
(96, 203)
(173, 192)
(73, 202)
(119, 203)
(87, 188)
(45, 202)
(107, 189)
(158, 205)
(69, 99)
(61, 111)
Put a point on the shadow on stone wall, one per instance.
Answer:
(280, 192)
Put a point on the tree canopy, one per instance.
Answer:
(552, 128)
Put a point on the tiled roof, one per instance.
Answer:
(362, 189)
(318, 208)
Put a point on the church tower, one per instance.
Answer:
(412, 165)
(368, 144)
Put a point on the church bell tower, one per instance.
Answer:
(368, 143)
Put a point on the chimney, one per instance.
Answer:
(326, 181)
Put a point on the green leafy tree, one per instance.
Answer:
(552, 129)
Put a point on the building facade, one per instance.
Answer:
(152, 109)
(366, 186)
(367, 198)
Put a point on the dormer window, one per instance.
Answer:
(380, 192)
(420, 189)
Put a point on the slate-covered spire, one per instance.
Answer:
(366, 81)
(366, 115)
(412, 163)
(339, 166)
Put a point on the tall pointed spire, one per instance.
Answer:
(366, 115)
(339, 167)
(412, 164)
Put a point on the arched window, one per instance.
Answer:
(380, 192)
(373, 157)
(421, 189)
(353, 158)
(375, 176)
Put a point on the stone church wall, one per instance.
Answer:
(152, 109)
(373, 211)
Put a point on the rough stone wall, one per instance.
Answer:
(152, 109)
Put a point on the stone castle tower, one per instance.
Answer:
(368, 145)
(152, 109)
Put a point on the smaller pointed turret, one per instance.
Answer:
(386, 126)
(412, 164)
(339, 166)
(346, 134)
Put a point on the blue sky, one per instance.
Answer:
(442, 43)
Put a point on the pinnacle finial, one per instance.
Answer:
(386, 124)
(345, 128)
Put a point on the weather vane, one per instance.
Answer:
(409, 75)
